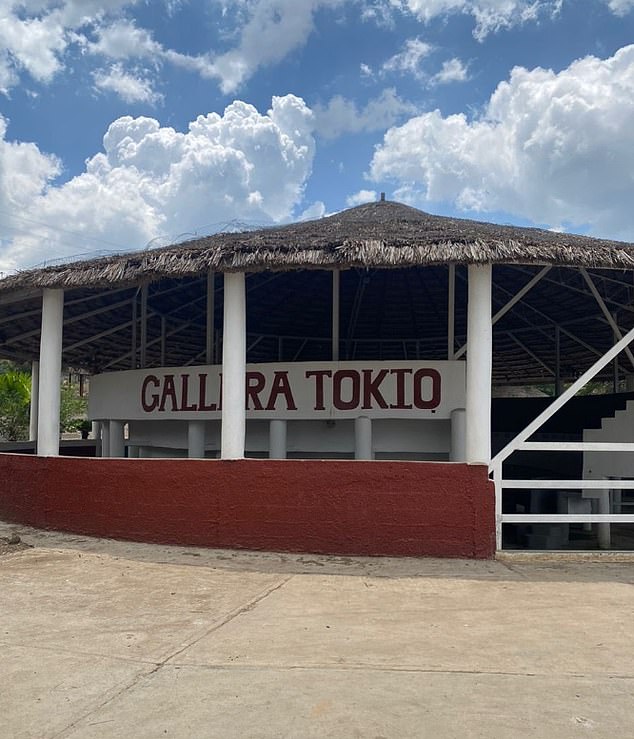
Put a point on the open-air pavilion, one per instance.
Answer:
(338, 378)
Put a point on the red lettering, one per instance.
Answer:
(319, 386)
(202, 394)
(169, 391)
(434, 401)
(185, 406)
(337, 382)
(400, 388)
(255, 384)
(151, 404)
(371, 389)
(281, 386)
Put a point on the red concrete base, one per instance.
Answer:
(333, 507)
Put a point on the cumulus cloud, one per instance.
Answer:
(342, 115)
(363, 196)
(620, 7)
(409, 59)
(551, 147)
(35, 35)
(152, 180)
(130, 87)
(453, 70)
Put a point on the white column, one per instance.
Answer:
(50, 372)
(233, 367)
(277, 438)
(335, 314)
(479, 365)
(209, 342)
(458, 435)
(95, 430)
(604, 529)
(35, 392)
(105, 438)
(196, 439)
(363, 438)
(117, 442)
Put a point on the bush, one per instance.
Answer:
(15, 398)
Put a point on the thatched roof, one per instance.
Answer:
(393, 295)
(376, 235)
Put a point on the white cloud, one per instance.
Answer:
(453, 70)
(409, 59)
(274, 28)
(620, 7)
(123, 40)
(490, 15)
(152, 180)
(551, 147)
(35, 35)
(363, 196)
(132, 88)
(342, 115)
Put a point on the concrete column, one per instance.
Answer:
(458, 435)
(363, 438)
(196, 439)
(479, 365)
(277, 438)
(233, 367)
(95, 431)
(604, 533)
(50, 372)
(105, 438)
(210, 321)
(35, 392)
(117, 442)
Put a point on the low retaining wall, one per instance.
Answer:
(335, 507)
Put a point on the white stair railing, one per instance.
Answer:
(521, 443)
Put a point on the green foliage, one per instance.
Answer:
(72, 408)
(15, 400)
(15, 396)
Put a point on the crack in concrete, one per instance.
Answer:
(157, 665)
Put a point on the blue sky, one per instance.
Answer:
(125, 124)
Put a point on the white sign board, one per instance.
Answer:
(301, 390)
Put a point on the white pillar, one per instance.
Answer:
(117, 442)
(35, 392)
(458, 435)
(277, 438)
(95, 430)
(50, 372)
(196, 439)
(209, 331)
(363, 438)
(479, 365)
(233, 367)
(105, 438)
(604, 529)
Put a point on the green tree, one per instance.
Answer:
(15, 398)
(72, 408)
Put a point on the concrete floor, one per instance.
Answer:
(112, 639)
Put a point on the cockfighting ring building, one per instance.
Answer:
(343, 385)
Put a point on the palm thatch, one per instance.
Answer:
(376, 235)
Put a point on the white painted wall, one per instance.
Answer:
(391, 438)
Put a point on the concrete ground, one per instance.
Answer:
(112, 639)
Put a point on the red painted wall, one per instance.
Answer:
(336, 507)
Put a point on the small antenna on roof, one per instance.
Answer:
(382, 197)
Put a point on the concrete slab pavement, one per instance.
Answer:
(104, 639)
